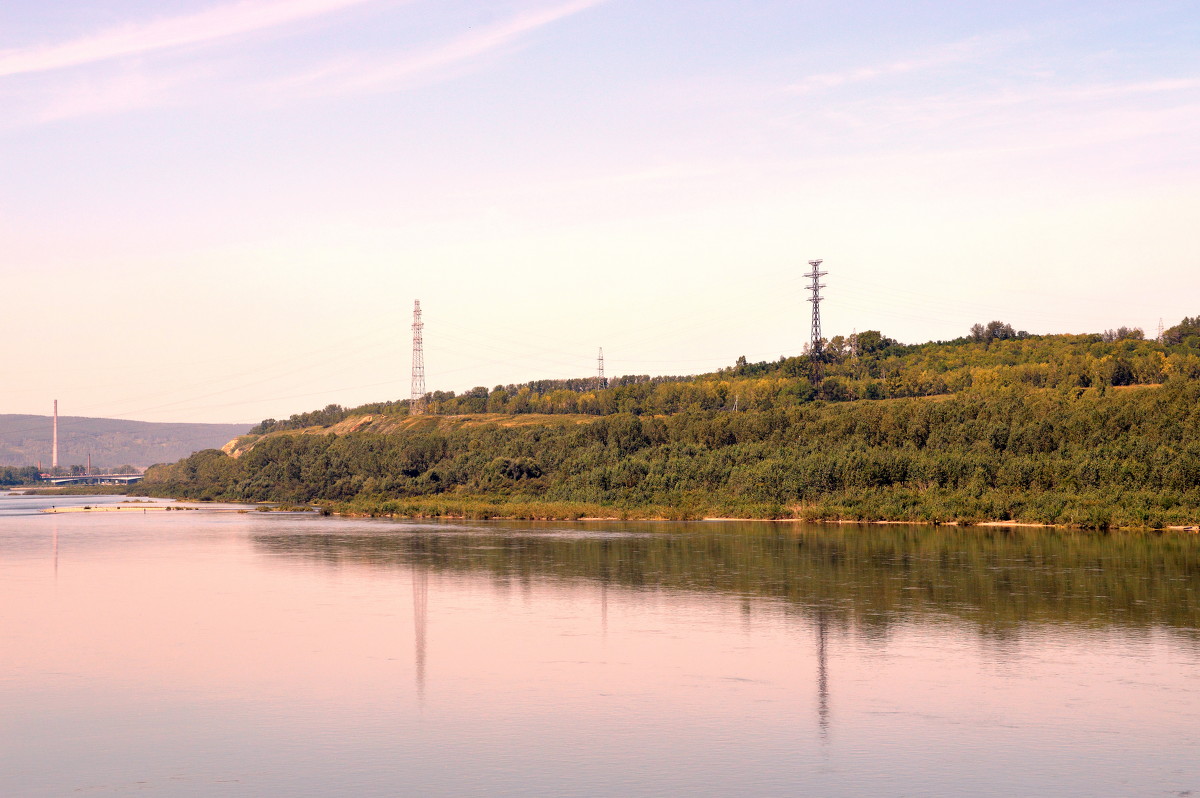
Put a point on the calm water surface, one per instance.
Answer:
(251, 654)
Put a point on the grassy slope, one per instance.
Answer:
(392, 425)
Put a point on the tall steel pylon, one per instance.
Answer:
(416, 405)
(600, 381)
(854, 351)
(54, 447)
(815, 346)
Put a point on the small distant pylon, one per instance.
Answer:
(815, 346)
(416, 404)
(600, 381)
(1159, 338)
(854, 350)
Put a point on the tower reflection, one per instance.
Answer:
(822, 674)
(420, 585)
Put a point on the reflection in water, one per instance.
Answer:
(967, 661)
(862, 581)
(420, 585)
(604, 608)
(863, 578)
(604, 580)
(822, 676)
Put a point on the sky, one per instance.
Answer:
(223, 210)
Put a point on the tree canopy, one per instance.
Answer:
(1093, 430)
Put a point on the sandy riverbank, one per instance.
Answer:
(135, 508)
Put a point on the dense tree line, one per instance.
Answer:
(1094, 430)
(1091, 457)
(1184, 334)
(869, 365)
(25, 475)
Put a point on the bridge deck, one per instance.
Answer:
(92, 479)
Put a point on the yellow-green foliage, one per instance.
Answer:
(1094, 458)
(1088, 430)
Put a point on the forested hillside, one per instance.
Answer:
(1090, 430)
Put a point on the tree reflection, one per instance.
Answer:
(865, 578)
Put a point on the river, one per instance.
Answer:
(266, 654)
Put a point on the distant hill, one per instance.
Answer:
(26, 440)
(1091, 430)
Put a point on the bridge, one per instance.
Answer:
(91, 479)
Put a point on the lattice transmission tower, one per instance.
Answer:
(854, 351)
(814, 350)
(416, 405)
(600, 381)
(54, 447)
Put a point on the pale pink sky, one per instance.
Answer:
(236, 201)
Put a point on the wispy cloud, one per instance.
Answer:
(1071, 130)
(1146, 87)
(122, 91)
(943, 55)
(1015, 106)
(214, 24)
(364, 75)
(121, 87)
